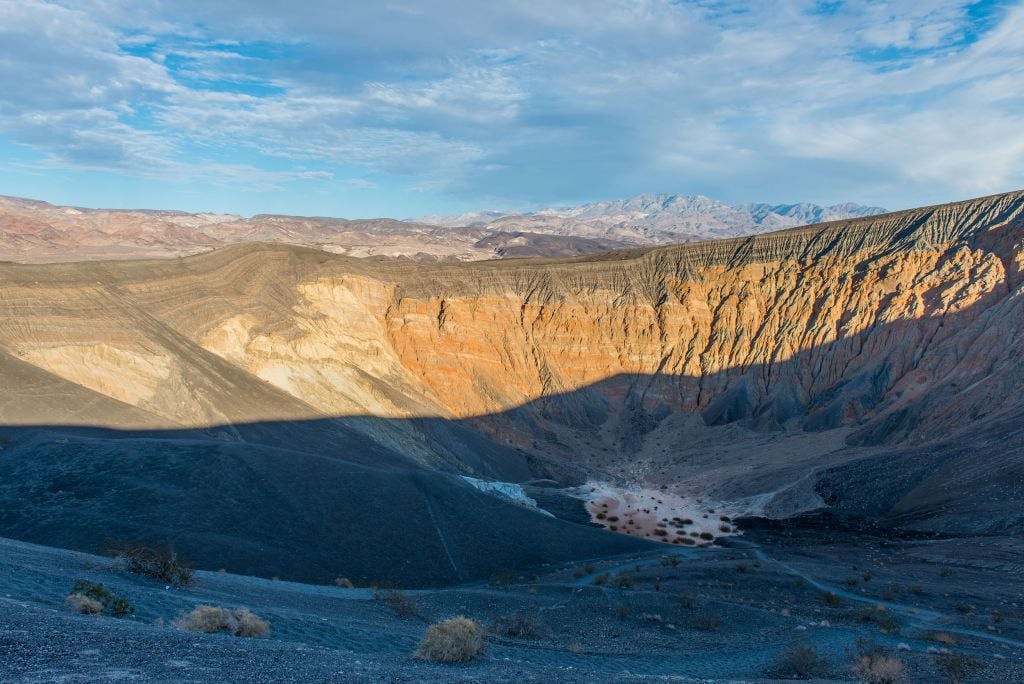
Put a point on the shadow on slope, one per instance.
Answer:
(354, 509)
(311, 500)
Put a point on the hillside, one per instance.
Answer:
(772, 374)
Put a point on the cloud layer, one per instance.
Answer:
(459, 104)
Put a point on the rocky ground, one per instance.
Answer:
(722, 613)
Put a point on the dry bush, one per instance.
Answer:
(83, 604)
(800, 661)
(110, 604)
(240, 622)
(158, 562)
(831, 600)
(957, 667)
(872, 665)
(457, 640)
(344, 583)
(880, 616)
(520, 625)
(400, 602)
(939, 637)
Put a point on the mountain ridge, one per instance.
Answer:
(36, 231)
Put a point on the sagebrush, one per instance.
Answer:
(240, 622)
(457, 640)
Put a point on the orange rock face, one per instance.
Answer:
(900, 326)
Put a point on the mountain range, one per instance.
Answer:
(37, 232)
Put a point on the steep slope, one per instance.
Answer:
(751, 371)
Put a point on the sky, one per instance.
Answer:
(400, 108)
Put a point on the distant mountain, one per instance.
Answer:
(34, 231)
(660, 219)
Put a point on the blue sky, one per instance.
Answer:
(401, 108)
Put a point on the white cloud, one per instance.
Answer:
(529, 100)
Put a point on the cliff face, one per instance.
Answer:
(895, 329)
(903, 327)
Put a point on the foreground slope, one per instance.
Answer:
(773, 374)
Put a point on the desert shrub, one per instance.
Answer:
(89, 593)
(240, 622)
(457, 640)
(623, 581)
(939, 637)
(707, 536)
(403, 604)
(521, 624)
(873, 665)
(801, 661)
(652, 617)
(83, 604)
(158, 562)
(880, 616)
(687, 600)
(956, 667)
(344, 583)
(622, 612)
(831, 600)
(706, 622)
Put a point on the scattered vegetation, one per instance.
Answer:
(522, 624)
(344, 583)
(799, 661)
(873, 665)
(158, 562)
(457, 640)
(939, 638)
(91, 598)
(880, 616)
(687, 600)
(831, 600)
(956, 667)
(83, 604)
(400, 602)
(239, 622)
